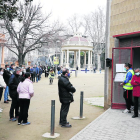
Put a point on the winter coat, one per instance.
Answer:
(65, 87)
(36, 70)
(6, 76)
(25, 89)
(2, 83)
(13, 84)
(135, 82)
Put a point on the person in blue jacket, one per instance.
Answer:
(36, 72)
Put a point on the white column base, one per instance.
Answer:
(67, 65)
(48, 135)
(78, 118)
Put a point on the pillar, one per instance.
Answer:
(65, 57)
(79, 59)
(74, 59)
(67, 64)
(62, 58)
(99, 62)
(2, 58)
(89, 59)
(85, 59)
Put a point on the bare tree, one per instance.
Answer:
(95, 27)
(74, 24)
(31, 32)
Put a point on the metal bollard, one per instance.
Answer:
(52, 117)
(81, 104)
(75, 73)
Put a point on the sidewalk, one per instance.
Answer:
(111, 125)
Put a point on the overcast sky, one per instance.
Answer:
(63, 9)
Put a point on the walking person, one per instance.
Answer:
(136, 91)
(13, 84)
(2, 85)
(26, 92)
(6, 77)
(128, 88)
(66, 90)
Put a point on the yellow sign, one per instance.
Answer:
(56, 60)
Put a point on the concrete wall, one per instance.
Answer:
(124, 18)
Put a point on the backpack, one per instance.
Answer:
(34, 70)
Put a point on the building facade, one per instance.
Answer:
(122, 45)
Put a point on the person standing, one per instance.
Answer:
(13, 84)
(136, 91)
(25, 91)
(36, 72)
(66, 90)
(128, 87)
(6, 77)
(2, 85)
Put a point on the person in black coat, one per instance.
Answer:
(6, 77)
(13, 84)
(66, 91)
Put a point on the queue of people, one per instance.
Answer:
(131, 86)
(19, 87)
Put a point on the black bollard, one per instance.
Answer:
(52, 117)
(81, 104)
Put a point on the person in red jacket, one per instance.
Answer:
(136, 90)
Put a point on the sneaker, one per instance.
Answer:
(13, 119)
(132, 108)
(19, 124)
(26, 123)
(61, 123)
(0, 110)
(67, 126)
(126, 111)
(6, 102)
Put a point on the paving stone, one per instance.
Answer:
(111, 125)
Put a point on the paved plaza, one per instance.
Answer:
(40, 109)
(111, 125)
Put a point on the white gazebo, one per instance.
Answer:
(77, 44)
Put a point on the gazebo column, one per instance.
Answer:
(85, 59)
(67, 64)
(79, 60)
(74, 59)
(65, 57)
(89, 59)
(62, 58)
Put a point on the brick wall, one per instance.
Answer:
(124, 18)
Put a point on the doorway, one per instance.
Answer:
(136, 58)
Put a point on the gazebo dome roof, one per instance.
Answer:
(77, 40)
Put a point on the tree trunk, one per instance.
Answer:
(21, 58)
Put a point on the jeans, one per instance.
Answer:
(14, 106)
(36, 78)
(24, 107)
(63, 113)
(6, 93)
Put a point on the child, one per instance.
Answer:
(51, 76)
